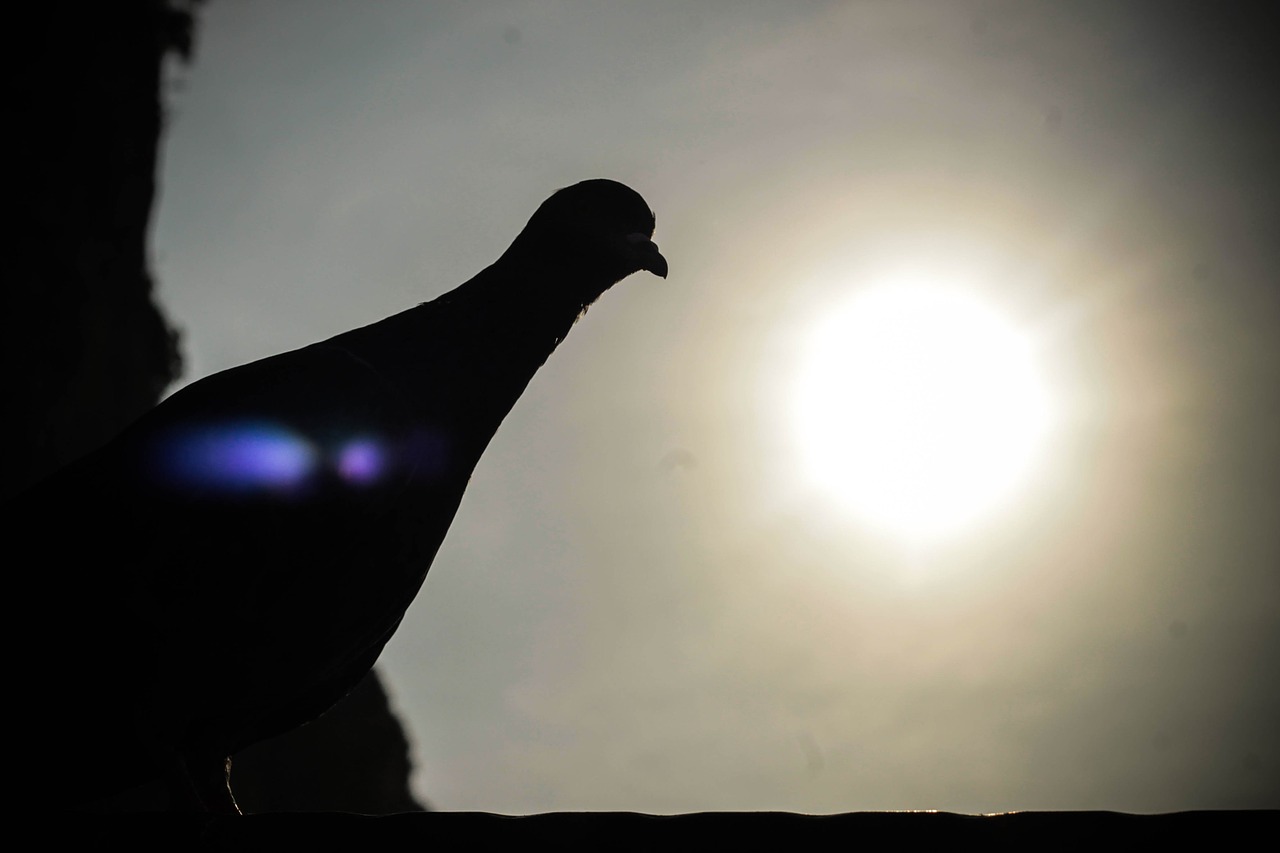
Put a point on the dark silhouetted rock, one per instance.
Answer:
(355, 758)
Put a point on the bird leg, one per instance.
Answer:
(207, 789)
(197, 779)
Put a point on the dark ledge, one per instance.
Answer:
(630, 831)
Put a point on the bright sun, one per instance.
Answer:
(919, 407)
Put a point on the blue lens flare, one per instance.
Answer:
(265, 457)
(361, 461)
(236, 457)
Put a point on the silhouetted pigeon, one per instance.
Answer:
(232, 564)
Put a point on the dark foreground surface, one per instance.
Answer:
(627, 831)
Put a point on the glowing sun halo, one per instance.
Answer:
(919, 407)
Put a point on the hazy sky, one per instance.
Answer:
(646, 602)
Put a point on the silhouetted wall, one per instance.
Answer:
(88, 350)
(86, 346)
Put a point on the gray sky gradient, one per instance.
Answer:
(641, 605)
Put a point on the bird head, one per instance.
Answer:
(602, 228)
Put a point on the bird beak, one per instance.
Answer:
(646, 255)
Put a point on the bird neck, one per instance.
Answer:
(481, 343)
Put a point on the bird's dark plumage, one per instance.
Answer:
(233, 563)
